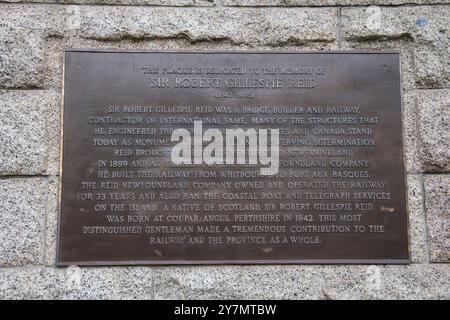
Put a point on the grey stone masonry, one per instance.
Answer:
(425, 28)
(421, 33)
(177, 3)
(416, 281)
(22, 223)
(410, 137)
(282, 3)
(434, 129)
(293, 3)
(180, 3)
(29, 132)
(33, 36)
(76, 283)
(238, 26)
(23, 29)
(227, 282)
(437, 206)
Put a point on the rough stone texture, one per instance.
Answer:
(48, 19)
(275, 27)
(417, 23)
(29, 137)
(437, 206)
(54, 134)
(51, 221)
(22, 211)
(434, 129)
(181, 3)
(293, 3)
(76, 283)
(282, 3)
(56, 46)
(21, 62)
(417, 227)
(404, 47)
(426, 28)
(431, 68)
(189, 29)
(415, 204)
(22, 32)
(415, 281)
(32, 39)
(410, 137)
(29, 1)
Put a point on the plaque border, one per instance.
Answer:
(59, 263)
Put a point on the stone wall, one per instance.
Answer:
(33, 35)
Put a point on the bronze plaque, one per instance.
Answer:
(232, 158)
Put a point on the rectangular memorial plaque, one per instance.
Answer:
(232, 157)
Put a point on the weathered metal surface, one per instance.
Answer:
(338, 196)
